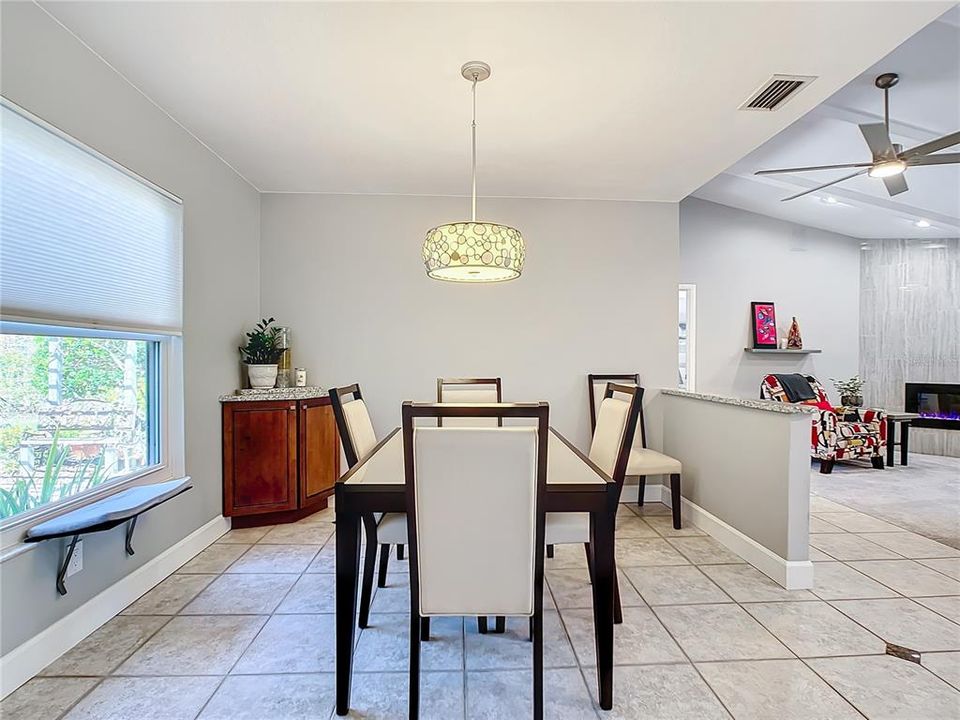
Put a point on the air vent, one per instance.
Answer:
(776, 91)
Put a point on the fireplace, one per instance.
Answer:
(938, 404)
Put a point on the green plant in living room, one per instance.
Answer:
(261, 354)
(850, 390)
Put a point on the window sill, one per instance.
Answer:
(15, 530)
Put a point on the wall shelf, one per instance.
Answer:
(778, 351)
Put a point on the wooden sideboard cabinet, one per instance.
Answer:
(281, 458)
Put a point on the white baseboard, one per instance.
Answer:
(791, 574)
(652, 493)
(26, 660)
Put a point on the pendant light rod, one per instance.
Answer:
(475, 71)
(473, 132)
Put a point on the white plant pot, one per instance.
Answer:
(262, 376)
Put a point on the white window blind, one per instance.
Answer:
(81, 239)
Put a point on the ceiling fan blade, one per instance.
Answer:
(812, 167)
(934, 145)
(941, 159)
(878, 140)
(821, 187)
(896, 184)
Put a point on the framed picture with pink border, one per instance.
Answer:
(763, 324)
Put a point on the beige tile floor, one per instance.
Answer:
(245, 631)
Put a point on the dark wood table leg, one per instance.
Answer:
(891, 441)
(601, 547)
(348, 567)
(904, 443)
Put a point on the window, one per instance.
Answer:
(687, 326)
(75, 412)
(90, 279)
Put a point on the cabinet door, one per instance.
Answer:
(319, 450)
(259, 457)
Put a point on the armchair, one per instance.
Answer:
(834, 438)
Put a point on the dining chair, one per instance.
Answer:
(473, 390)
(643, 461)
(461, 483)
(358, 438)
(470, 390)
(613, 435)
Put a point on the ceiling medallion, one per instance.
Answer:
(473, 251)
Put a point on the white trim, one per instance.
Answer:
(691, 290)
(29, 658)
(171, 465)
(24, 325)
(791, 574)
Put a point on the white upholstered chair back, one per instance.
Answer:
(471, 394)
(608, 435)
(476, 512)
(359, 427)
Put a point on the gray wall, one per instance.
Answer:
(910, 326)
(764, 492)
(48, 72)
(735, 257)
(598, 294)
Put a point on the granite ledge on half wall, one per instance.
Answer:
(768, 405)
(293, 393)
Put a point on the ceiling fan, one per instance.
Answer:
(890, 160)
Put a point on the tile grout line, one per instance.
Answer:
(134, 650)
(689, 661)
(240, 655)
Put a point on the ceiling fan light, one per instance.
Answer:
(887, 168)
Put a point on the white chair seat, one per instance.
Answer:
(644, 461)
(392, 529)
(563, 528)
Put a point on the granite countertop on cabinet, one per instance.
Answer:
(293, 393)
(768, 405)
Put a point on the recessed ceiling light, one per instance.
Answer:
(921, 223)
(831, 201)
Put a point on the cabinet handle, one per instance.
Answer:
(293, 407)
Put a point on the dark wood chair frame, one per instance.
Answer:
(420, 626)
(592, 380)
(369, 519)
(599, 500)
(500, 623)
(444, 382)
(634, 413)
(642, 479)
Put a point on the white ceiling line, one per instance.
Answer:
(856, 117)
(908, 212)
(147, 97)
(466, 196)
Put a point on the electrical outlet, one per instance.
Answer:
(76, 560)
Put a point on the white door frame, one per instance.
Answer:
(691, 290)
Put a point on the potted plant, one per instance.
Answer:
(261, 354)
(851, 391)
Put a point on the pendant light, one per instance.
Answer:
(472, 251)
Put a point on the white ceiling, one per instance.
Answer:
(925, 105)
(587, 100)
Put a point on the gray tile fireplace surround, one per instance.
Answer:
(910, 326)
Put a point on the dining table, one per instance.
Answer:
(376, 484)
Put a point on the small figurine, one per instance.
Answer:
(794, 341)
